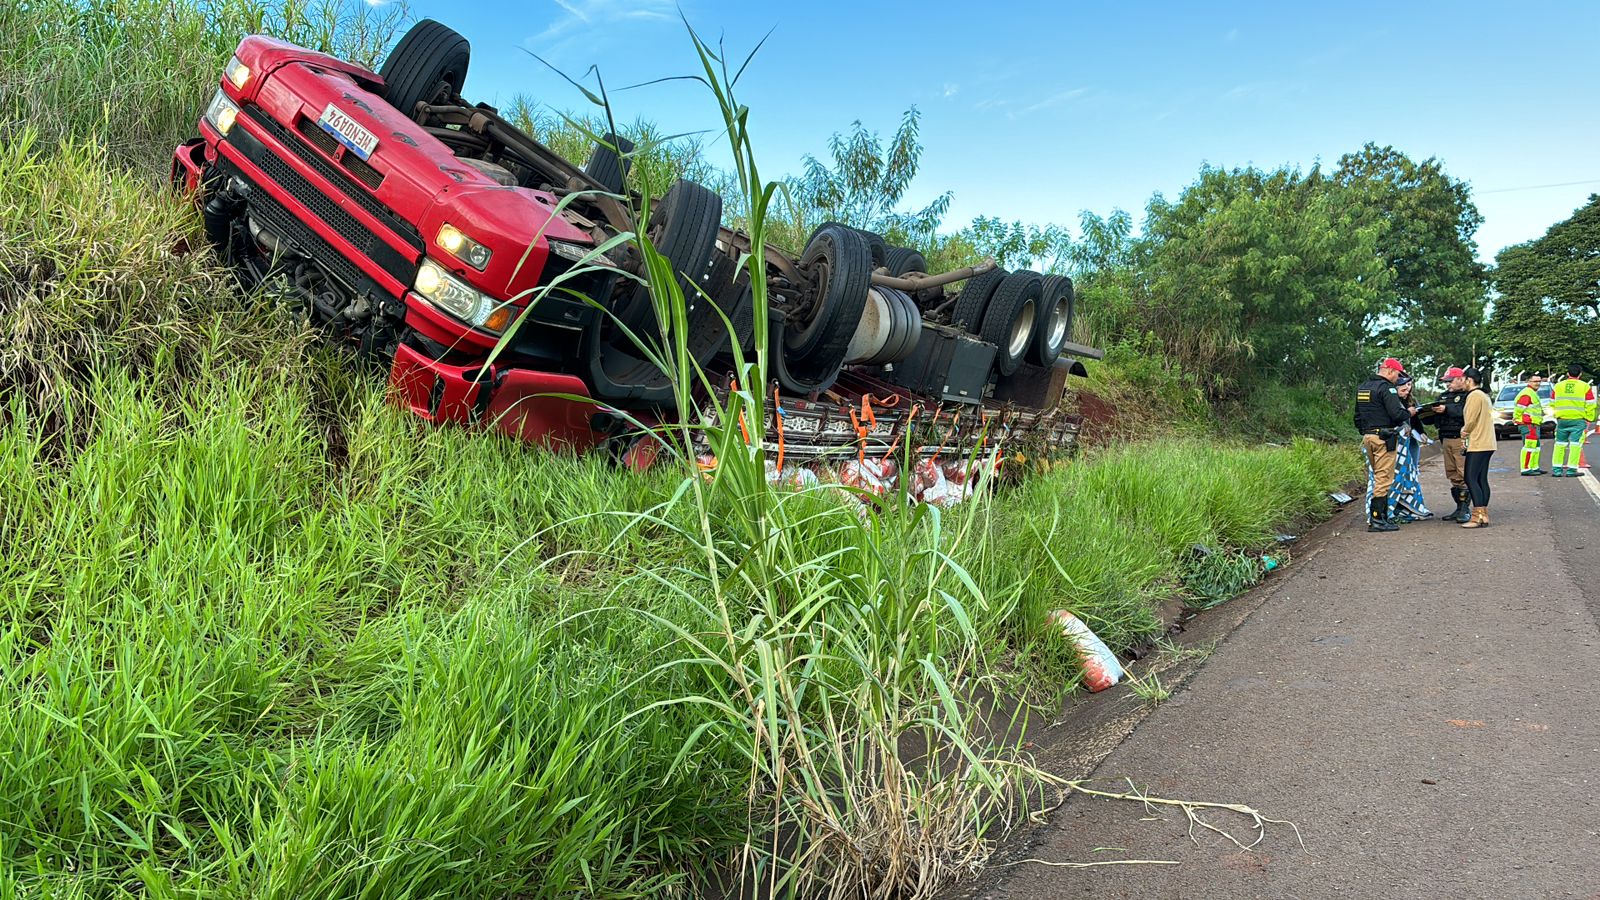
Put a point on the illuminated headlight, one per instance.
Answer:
(237, 73)
(460, 299)
(222, 112)
(576, 252)
(469, 251)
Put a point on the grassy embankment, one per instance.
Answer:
(261, 635)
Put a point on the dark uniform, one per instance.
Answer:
(1379, 412)
(1450, 422)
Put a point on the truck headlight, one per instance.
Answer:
(576, 252)
(237, 73)
(469, 251)
(460, 299)
(222, 112)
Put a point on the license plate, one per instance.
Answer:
(348, 132)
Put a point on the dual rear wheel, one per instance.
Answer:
(1026, 315)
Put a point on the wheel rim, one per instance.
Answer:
(1057, 335)
(823, 273)
(1021, 329)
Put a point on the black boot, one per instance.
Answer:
(1463, 506)
(1378, 516)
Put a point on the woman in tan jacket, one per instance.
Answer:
(1477, 442)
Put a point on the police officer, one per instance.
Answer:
(1448, 415)
(1378, 416)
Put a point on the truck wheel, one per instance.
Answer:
(901, 260)
(608, 164)
(974, 299)
(879, 247)
(428, 55)
(683, 228)
(1054, 324)
(1008, 322)
(875, 242)
(839, 262)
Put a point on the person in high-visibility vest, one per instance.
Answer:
(1528, 415)
(1573, 403)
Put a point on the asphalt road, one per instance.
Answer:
(1425, 706)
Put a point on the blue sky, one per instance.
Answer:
(1035, 111)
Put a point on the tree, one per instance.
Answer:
(1015, 245)
(1433, 307)
(865, 183)
(1547, 314)
(1254, 275)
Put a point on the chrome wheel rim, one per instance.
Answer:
(1021, 329)
(1058, 324)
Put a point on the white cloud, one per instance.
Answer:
(579, 15)
(951, 89)
(1055, 99)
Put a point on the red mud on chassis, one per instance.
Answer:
(419, 229)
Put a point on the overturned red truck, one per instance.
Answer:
(424, 231)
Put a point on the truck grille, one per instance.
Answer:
(324, 141)
(405, 230)
(326, 208)
(274, 216)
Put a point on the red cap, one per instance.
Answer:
(1454, 372)
(1392, 363)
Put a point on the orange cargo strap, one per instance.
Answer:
(742, 429)
(777, 417)
(906, 426)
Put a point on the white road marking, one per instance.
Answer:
(1589, 482)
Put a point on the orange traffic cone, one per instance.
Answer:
(1582, 464)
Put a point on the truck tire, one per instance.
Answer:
(900, 260)
(840, 261)
(875, 242)
(974, 299)
(608, 164)
(428, 55)
(1054, 324)
(683, 228)
(1009, 320)
(879, 247)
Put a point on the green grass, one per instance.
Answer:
(263, 635)
(142, 71)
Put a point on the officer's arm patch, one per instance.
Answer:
(1364, 396)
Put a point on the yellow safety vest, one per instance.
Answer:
(1535, 408)
(1570, 400)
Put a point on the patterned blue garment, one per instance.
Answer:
(1405, 498)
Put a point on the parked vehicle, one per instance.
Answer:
(425, 231)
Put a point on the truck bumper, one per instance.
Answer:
(544, 408)
(188, 163)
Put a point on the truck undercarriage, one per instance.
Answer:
(491, 277)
